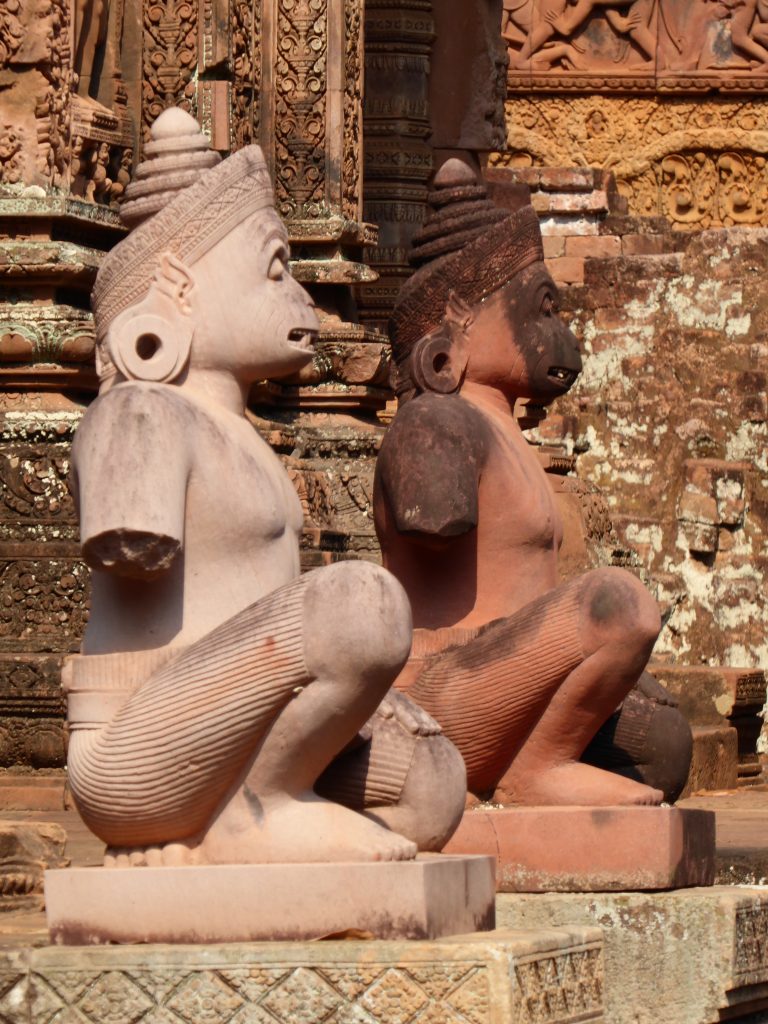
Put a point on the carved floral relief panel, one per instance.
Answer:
(698, 162)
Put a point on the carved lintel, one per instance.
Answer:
(699, 163)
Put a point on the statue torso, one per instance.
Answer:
(217, 478)
(482, 573)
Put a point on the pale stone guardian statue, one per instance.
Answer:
(216, 685)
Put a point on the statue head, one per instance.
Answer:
(481, 305)
(202, 279)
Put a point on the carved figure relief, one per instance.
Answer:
(670, 44)
(34, 98)
(554, 34)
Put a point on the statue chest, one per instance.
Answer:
(243, 499)
(516, 501)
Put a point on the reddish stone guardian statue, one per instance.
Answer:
(520, 670)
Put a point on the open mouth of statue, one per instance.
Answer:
(303, 337)
(562, 375)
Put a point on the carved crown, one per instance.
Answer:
(469, 253)
(198, 206)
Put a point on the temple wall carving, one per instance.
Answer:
(667, 94)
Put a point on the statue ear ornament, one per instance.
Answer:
(151, 340)
(438, 361)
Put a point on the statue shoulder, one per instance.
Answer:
(430, 463)
(134, 413)
(139, 398)
(434, 425)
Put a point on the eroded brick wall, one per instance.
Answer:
(669, 420)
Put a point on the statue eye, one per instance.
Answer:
(548, 305)
(277, 266)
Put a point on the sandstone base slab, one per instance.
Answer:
(494, 978)
(430, 897)
(590, 849)
(695, 956)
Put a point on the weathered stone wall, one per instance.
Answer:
(669, 420)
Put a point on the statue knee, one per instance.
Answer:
(357, 623)
(618, 606)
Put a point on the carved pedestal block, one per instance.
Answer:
(422, 899)
(548, 977)
(591, 849)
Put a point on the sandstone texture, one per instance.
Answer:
(424, 899)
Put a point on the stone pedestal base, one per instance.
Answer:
(697, 956)
(549, 977)
(592, 849)
(427, 898)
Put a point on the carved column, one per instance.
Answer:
(298, 93)
(398, 157)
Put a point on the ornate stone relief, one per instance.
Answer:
(169, 57)
(245, 29)
(406, 983)
(643, 45)
(699, 163)
(301, 69)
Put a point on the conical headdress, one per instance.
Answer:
(184, 199)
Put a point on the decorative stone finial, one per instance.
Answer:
(176, 156)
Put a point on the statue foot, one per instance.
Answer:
(280, 831)
(573, 783)
(288, 830)
(167, 855)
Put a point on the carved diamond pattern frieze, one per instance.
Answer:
(351, 1014)
(751, 941)
(161, 1015)
(69, 1015)
(204, 998)
(472, 997)
(114, 999)
(560, 987)
(395, 997)
(437, 980)
(254, 983)
(281, 994)
(60, 989)
(13, 996)
(161, 985)
(251, 1014)
(303, 995)
(351, 980)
